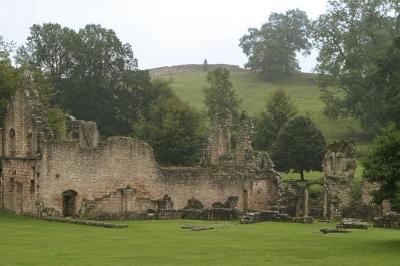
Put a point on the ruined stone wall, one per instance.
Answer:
(220, 140)
(182, 184)
(46, 176)
(1, 142)
(94, 172)
(244, 149)
(25, 125)
(367, 188)
(339, 166)
(216, 185)
(19, 186)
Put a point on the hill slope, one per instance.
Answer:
(189, 81)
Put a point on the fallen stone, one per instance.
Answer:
(196, 227)
(348, 223)
(333, 230)
(84, 222)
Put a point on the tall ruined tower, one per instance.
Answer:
(219, 143)
(25, 128)
(244, 149)
(339, 166)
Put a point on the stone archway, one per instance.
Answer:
(324, 198)
(69, 198)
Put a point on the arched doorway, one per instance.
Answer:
(69, 197)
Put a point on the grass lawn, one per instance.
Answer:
(27, 241)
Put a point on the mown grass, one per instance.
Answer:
(27, 241)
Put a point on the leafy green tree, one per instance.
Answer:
(94, 73)
(48, 48)
(279, 110)
(272, 49)
(220, 97)
(300, 147)
(174, 130)
(352, 37)
(382, 164)
(8, 77)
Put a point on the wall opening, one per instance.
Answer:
(29, 143)
(69, 198)
(317, 201)
(12, 143)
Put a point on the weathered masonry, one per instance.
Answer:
(82, 175)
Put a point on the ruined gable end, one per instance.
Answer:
(25, 125)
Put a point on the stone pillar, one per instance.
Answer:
(306, 202)
(325, 213)
(297, 207)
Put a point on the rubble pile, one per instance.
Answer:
(348, 223)
(389, 220)
(273, 216)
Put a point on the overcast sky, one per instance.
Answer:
(162, 33)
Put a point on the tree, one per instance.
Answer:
(382, 164)
(94, 73)
(352, 37)
(174, 131)
(300, 147)
(8, 77)
(272, 49)
(220, 98)
(48, 48)
(279, 110)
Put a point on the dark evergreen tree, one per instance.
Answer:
(220, 97)
(174, 130)
(279, 110)
(300, 147)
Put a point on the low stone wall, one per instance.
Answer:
(273, 216)
(390, 220)
(168, 214)
(84, 222)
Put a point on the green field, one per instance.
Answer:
(27, 241)
(254, 92)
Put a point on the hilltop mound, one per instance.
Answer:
(192, 68)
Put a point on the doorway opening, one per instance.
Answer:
(69, 197)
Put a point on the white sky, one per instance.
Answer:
(162, 33)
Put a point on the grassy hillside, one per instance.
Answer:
(254, 92)
(27, 241)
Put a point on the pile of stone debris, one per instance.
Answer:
(348, 223)
(344, 225)
(389, 220)
(272, 216)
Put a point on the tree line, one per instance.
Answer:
(357, 64)
(91, 74)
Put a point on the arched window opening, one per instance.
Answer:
(12, 144)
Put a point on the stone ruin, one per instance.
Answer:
(83, 175)
(339, 166)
